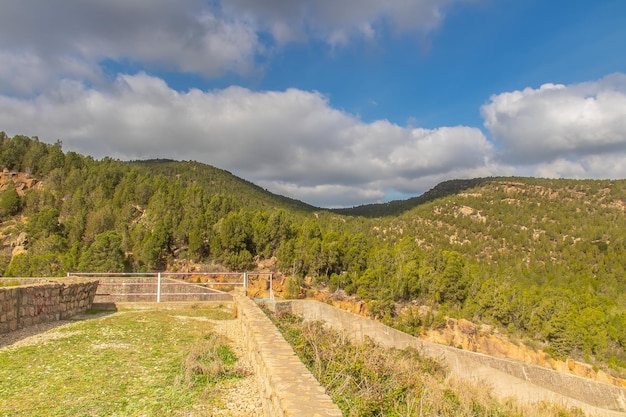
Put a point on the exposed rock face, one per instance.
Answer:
(340, 300)
(19, 245)
(10, 243)
(21, 181)
(468, 336)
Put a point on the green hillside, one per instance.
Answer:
(397, 207)
(541, 259)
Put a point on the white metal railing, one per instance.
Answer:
(157, 284)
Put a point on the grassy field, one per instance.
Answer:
(131, 363)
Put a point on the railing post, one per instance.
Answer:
(159, 287)
(245, 283)
(271, 288)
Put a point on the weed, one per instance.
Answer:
(208, 361)
(367, 380)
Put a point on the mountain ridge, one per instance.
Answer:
(540, 259)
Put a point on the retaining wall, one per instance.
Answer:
(507, 378)
(44, 301)
(287, 386)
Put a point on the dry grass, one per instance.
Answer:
(208, 361)
(368, 380)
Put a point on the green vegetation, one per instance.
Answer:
(151, 363)
(9, 201)
(541, 259)
(366, 380)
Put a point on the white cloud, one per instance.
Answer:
(294, 143)
(42, 42)
(22, 72)
(336, 21)
(557, 123)
(45, 41)
(611, 166)
(289, 141)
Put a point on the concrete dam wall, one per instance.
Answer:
(507, 378)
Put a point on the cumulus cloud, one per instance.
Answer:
(336, 21)
(65, 39)
(562, 129)
(43, 41)
(295, 143)
(590, 166)
(291, 142)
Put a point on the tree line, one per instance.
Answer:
(542, 259)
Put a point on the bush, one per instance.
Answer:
(209, 361)
(10, 202)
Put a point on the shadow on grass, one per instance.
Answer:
(11, 338)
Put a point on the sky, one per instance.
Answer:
(333, 102)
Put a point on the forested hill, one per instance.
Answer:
(218, 181)
(541, 259)
(397, 207)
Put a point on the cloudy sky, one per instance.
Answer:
(333, 102)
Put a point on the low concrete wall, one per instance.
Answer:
(508, 378)
(144, 289)
(44, 301)
(288, 388)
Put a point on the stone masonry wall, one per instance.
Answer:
(288, 388)
(507, 378)
(30, 304)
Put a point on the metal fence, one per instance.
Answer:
(170, 286)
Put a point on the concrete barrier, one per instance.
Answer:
(288, 388)
(507, 378)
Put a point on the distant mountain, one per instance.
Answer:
(397, 207)
(539, 259)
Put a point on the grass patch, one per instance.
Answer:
(367, 380)
(210, 361)
(133, 363)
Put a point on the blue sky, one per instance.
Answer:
(337, 103)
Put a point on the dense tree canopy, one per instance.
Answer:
(545, 259)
